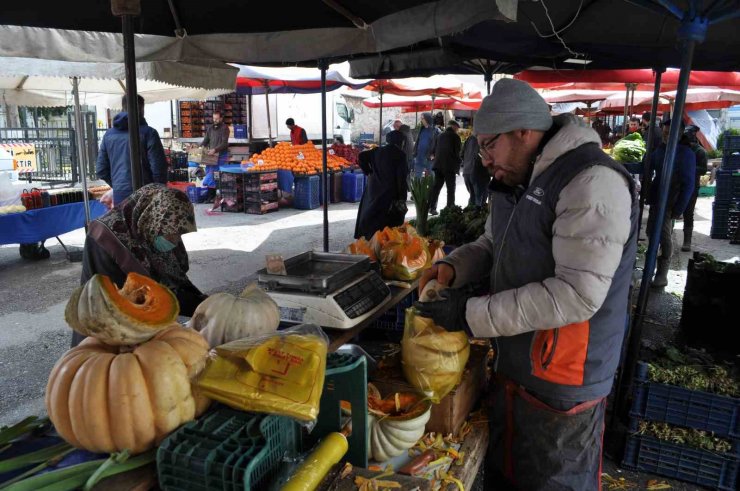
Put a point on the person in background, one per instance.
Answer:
(701, 169)
(633, 126)
(556, 260)
(645, 129)
(475, 175)
(603, 129)
(297, 134)
(114, 162)
(681, 187)
(408, 145)
(446, 165)
(217, 143)
(383, 203)
(424, 146)
(143, 235)
(397, 124)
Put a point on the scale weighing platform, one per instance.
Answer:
(326, 289)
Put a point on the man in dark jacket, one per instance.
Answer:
(446, 165)
(217, 143)
(475, 175)
(424, 147)
(679, 195)
(647, 120)
(114, 162)
(701, 169)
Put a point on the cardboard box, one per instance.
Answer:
(451, 412)
(200, 156)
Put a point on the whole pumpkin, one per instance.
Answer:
(121, 317)
(223, 317)
(104, 398)
(396, 429)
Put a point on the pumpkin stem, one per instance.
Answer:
(249, 289)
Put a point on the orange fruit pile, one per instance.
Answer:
(285, 156)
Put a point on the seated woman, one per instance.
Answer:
(142, 235)
(384, 201)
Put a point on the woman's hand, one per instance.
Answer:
(442, 272)
(107, 199)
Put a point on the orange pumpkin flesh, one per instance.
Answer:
(140, 298)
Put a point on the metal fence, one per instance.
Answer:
(56, 151)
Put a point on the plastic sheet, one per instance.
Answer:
(281, 373)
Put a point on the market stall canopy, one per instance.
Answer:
(591, 34)
(696, 99)
(558, 96)
(411, 102)
(237, 32)
(36, 82)
(454, 105)
(253, 80)
(438, 85)
(615, 79)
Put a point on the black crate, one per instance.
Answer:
(731, 144)
(261, 197)
(255, 178)
(260, 208)
(675, 405)
(648, 454)
(255, 186)
(232, 201)
(731, 162)
(728, 185)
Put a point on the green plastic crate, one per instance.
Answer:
(346, 380)
(707, 190)
(226, 450)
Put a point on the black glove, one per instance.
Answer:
(448, 312)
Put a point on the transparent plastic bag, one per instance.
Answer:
(433, 359)
(279, 373)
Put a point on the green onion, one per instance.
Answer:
(10, 433)
(421, 189)
(34, 457)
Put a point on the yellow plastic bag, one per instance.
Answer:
(281, 373)
(433, 359)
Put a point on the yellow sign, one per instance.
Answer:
(24, 157)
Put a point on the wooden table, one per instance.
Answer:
(339, 337)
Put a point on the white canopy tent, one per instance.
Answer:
(36, 82)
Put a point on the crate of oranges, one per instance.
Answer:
(301, 160)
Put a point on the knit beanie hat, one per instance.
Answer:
(512, 105)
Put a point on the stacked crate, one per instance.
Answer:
(686, 408)
(231, 189)
(724, 209)
(260, 192)
(195, 116)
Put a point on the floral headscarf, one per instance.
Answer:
(151, 211)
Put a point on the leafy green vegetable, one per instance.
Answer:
(631, 148)
(456, 226)
(694, 370)
(684, 436)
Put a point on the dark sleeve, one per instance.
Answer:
(687, 175)
(102, 165)
(416, 144)
(189, 297)
(224, 140)
(458, 148)
(701, 161)
(157, 159)
(207, 138)
(364, 160)
(304, 136)
(402, 173)
(95, 260)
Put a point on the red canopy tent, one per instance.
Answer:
(696, 99)
(615, 79)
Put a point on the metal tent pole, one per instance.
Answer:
(691, 32)
(81, 150)
(380, 116)
(646, 169)
(433, 97)
(267, 104)
(132, 103)
(249, 116)
(626, 104)
(323, 65)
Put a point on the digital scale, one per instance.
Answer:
(327, 289)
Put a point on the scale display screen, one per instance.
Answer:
(362, 297)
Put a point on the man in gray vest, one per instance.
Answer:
(555, 264)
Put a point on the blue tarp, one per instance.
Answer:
(37, 225)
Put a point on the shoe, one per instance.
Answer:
(661, 276)
(686, 247)
(434, 213)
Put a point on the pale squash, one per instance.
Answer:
(131, 315)
(393, 430)
(222, 317)
(103, 398)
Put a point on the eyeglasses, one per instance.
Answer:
(487, 147)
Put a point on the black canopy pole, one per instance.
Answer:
(380, 117)
(323, 65)
(691, 32)
(267, 102)
(626, 108)
(249, 116)
(647, 171)
(132, 103)
(82, 162)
